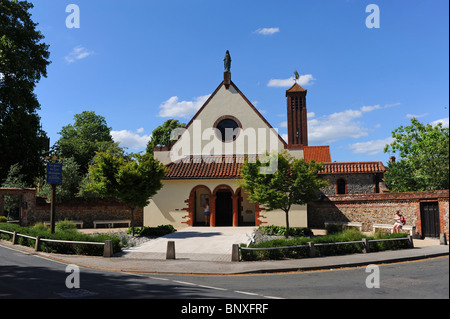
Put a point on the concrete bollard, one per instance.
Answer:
(108, 249)
(170, 254)
(235, 253)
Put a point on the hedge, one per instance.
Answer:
(63, 232)
(321, 251)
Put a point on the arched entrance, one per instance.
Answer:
(224, 206)
(228, 207)
(196, 202)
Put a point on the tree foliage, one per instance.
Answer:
(23, 61)
(89, 134)
(161, 136)
(294, 183)
(424, 153)
(134, 179)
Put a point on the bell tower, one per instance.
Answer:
(297, 121)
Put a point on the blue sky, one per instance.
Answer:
(138, 63)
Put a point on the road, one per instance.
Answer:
(27, 275)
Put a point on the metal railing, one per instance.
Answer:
(107, 245)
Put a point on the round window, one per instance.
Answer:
(228, 128)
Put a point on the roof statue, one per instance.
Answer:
(227, 62)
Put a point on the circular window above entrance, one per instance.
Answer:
(229, 128)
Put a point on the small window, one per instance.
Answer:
(341, 186)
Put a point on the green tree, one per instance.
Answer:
(133, 179)
(424, 154)
(71, 179)
(23, 61)
(161, 136)
(89, 134)
(295, 182)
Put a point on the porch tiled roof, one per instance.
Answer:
(353, 168)
(229, 166)
(208, 167)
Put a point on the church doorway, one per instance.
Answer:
(224, 208)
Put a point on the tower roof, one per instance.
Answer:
(296, 88)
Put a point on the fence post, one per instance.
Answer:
(38, 241)
(235, 253)
(312, 249)
(14, 239)
(170, 254)
(366, 247)
(108, 249)
(411, 243)
(443, 239)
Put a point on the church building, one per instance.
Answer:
(204, 162)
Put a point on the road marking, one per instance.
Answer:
(215, 288)
(247, 293)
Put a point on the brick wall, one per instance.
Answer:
(35, 209)
(86, 211)
(378, 209)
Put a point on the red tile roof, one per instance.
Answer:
(229, 166)
(296, 88)
(353, 168)
(320, 154)
(207, 167)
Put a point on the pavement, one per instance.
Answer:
(207, 251)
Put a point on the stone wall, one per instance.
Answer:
(372, 209)
(355, 183)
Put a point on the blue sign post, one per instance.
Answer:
(54, 173)
(54, 177)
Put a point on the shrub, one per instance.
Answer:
(66, 226)
(62, 248)
(3, 219)
(153, 231)
(272, 230)
(347, 235)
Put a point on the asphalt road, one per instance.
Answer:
(26, 275)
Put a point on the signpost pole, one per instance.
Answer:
(54, 177)
(53, 210)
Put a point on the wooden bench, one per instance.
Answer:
(411, 229)
(111, 223)
(346, 224)
(76, 222)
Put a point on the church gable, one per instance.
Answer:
(227, 124)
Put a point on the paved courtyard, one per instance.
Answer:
(194, 243)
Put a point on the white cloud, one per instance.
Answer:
(78, 53)
(303, 80)
(331, 128)
(131, 140)
(174, 108)
(417, 116)
(444, 122)
(267, 31)
(371, 147)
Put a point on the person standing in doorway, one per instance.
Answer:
(207, 212)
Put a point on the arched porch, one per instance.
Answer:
(228, 207)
